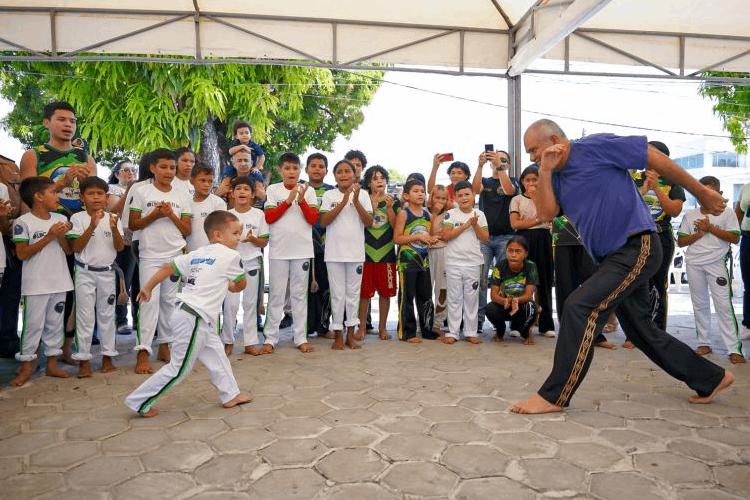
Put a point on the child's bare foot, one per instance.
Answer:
(84, 369)
(329, 335)
(266, 349)
(150, 413)
(384, 336)
(142, 365)
(338, 342)
(725, 382)
(305, 348)
(415, 340)
(107, 365)
(606, 344)
(529, 340)
(239, 399)
(24, 374)
(53, 370)
(251, 349)
(628, 345)
(535, 405)
(473, 340)
(163, 353)
(350, 343)
(447, 340)
(228, 348)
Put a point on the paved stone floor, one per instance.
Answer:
(389, 421)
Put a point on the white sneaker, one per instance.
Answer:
(515, 333)
(549, 333)
(745, 334)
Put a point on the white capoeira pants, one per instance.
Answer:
(193, 339)
(159, 309)
(249, 308)
(344, 282)
(463, 299)
(95, 304)
(713, 277)
(281, 272)
(42, 322)
(439, 282)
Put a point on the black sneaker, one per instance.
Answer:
(286, 321)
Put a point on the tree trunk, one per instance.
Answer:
(209, 153)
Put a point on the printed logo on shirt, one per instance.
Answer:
(154, 203)
(39, 235)
(18, 229)
(202, 260)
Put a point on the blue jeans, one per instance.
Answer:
(493, 250)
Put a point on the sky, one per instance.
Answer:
(416, 115)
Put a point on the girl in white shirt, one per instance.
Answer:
(345, 212)
(438, 204)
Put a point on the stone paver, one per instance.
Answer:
(390, 421)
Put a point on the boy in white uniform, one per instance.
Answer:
(96, 237)
(708, 238)
(209, 273)
(345, 212)
(464, 228)
(254, 237)
(39, 236)
(203, 204)
(162, 214)
(291, 209)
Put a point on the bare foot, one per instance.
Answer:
(251, 349)
(142, 365)
(163, 354)
(360, 335)
(84, 369)
(350, 343)
(338, 342)
(384, 336)
(447, 340)
(150, 413)
(239, 399)
(24, 374)
(305, 348)
(529, 340)
(266, 349)
(53, 370)
(228, 348)
(107, 365)
(628, 345)
(606, 344)
(415, 340)
(725, 382)
(329, 335)
(473, 340)
(702, 350)
(535, 405)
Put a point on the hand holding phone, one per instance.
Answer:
(447, 156)
(489, 147)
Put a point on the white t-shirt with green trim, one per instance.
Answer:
(161, 239)
(745, 205)
(291, 235)
(253, 220)
(207, 271)
(465, 249)
(709, 248)
(100, 250)
(345, 236)
(46, 271)
(201, 210)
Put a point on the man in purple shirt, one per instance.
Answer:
(589, 179)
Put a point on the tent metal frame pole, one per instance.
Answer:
(718, 79)
(514, 123)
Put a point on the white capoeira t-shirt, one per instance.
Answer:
(46, 271)
(345, 236)
(708, 248)
(291, 235)
(465, 249)
(201, 210)
(161, 239)
(254, 220)
(100, 250)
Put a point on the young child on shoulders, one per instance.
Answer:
(464, 228)
(379, 269)
(203, 203)
(243, 141)
(438, 205)
(514, 280)
(210, 272)
(345, 212)
(40, 241)
(253, 239)
(412, 234)
(96, 237)
(708, 237)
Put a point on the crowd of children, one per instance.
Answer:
(199, 251)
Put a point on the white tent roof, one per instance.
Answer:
(471, 36)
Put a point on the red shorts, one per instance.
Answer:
(378, 277)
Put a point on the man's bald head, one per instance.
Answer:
(548, 128)
(541, 135)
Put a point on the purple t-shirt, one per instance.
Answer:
(596, 192)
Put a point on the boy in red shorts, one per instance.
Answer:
(379, 274)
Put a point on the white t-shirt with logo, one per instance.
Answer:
(206, 272)
(46, 271)
(465, 249)
(100, 250)
(253, 220)
(708, 248)
(291, 235)
(4, 196)
(161, 239)
(126, 207)
(200, 210)
(345, 236)
(186, 186)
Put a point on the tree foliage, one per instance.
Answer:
(732, 105)
(134, 107)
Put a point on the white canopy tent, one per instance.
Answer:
(658, 39)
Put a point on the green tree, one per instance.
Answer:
(732, 105)
(134, 107)
(394, 175)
